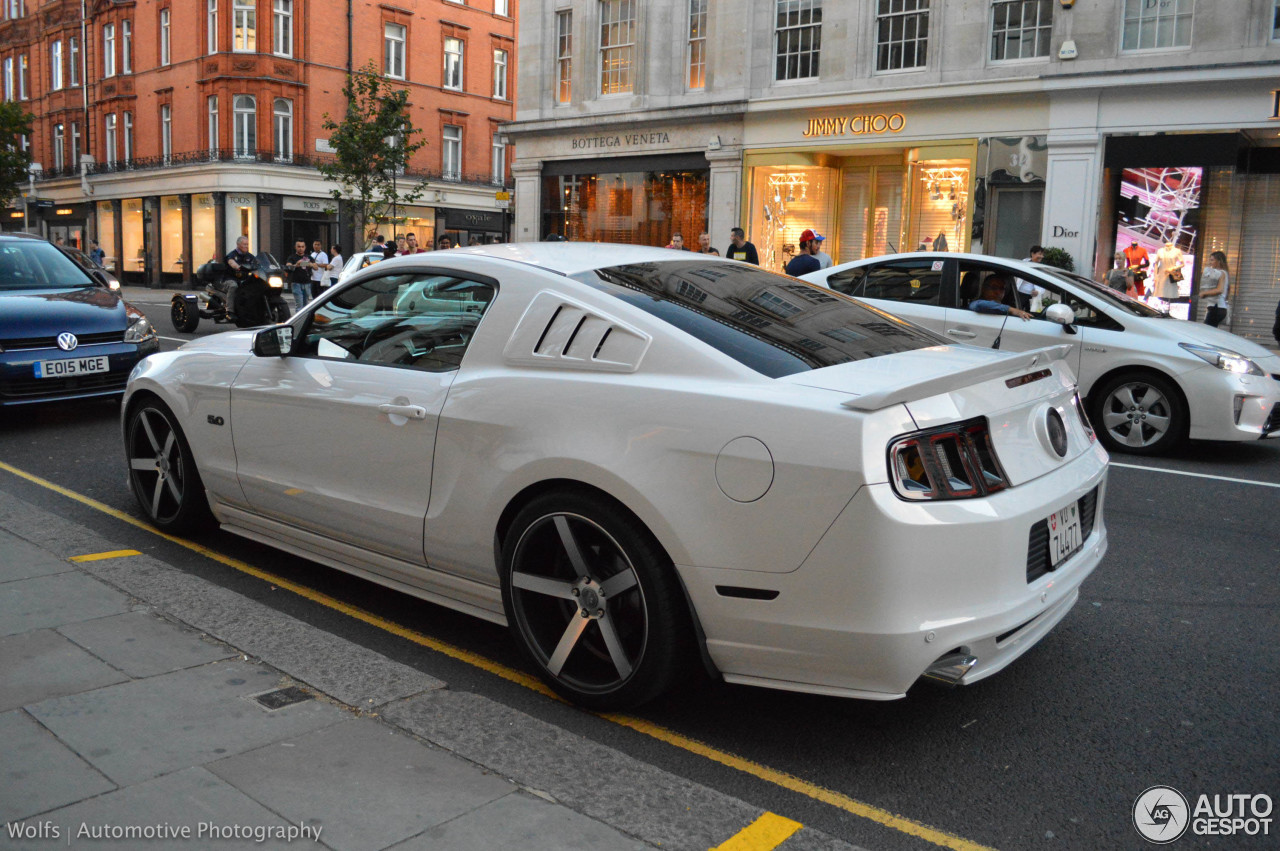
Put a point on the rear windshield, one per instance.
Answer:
(771, 323)
(32, 264)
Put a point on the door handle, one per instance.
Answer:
(964, 335)
(413, 412)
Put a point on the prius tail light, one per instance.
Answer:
(956, 461)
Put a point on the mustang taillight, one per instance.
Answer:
(952, 462)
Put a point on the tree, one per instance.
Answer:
(15, 122)
(372, 145)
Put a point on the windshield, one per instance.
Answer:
(1115, 298)
(771, 323)
(30, 264)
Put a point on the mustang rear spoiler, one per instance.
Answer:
(942, 383)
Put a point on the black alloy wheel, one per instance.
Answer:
(183, 317)
(594, 602)
(1139, 413)
(162, 472)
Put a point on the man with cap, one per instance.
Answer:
(805, 262)
(823, 257)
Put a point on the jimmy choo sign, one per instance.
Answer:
(856, 125)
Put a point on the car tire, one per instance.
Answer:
(593, 601)
(185, 320)
(162, 470)
(1139, 413)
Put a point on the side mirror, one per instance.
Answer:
(101, 277)
(1063, 315)
(273, 342)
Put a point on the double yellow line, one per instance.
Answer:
(766, 833)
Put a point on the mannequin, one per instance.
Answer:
(1138, 261)
(1168, 258)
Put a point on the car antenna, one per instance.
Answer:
(1000, 333)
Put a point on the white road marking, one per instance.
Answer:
(1198, 475)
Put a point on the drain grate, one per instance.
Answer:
(280, 698)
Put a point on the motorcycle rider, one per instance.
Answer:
(248, 298)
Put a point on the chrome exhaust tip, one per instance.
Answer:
(950, 669)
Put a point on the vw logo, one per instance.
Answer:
(67, 341)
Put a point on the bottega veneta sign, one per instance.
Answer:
(654, 137)
(856, 125)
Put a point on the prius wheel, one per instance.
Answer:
(594, 602)
(162, 472)
(1140, 414)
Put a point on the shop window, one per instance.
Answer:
(55, 66)
(393, 37)
(204, 219)
(246, 126)
(133, 245)
(638, 208)
(902, 34)
(451, 152)
(785, 201)
(282, 27)
(171, 236)
(1153, 26)
(126, 47)
(244, 26)
(283, 112)
(870, 213)
(107, 234)
(108, 50)
(564, 56)
(164, 36)
(211, 27)
(939, 206)
(617, 41)
(797, 39)
(73, 60)
(1020, 29)
(453, 48)
(697, 62)
(500, 74)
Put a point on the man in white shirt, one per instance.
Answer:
(823, 257)
(320, 267)
(1027, 290)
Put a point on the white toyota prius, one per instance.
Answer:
(642, 460)
(1150, 381)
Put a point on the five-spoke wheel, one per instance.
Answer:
(1141, 414)
(594, 601)
(162, 472)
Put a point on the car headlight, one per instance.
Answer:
(139, 328)
(1224, 359)
(276, 282)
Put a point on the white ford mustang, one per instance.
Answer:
(639, 458)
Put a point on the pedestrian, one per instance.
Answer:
(96, 254)
(677, 242)
(388, 251)
(402, 246)
(1138, 259)
(412, 242)
(335, 264)
(1166, 271)
(319, 267)
(444, 243)
(740, 249)
(823, 257)
(298, 266)
(805, 262)
(475, 240)
(379, 243)
(1028, 291)
(1120, 277)
(704, 244)
(1215, 284)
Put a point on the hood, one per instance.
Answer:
(47, 313)
(227, 341)
(1207, 335)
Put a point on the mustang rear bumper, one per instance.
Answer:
(895, 586)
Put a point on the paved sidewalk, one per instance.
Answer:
(115, 719)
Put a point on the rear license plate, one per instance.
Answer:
(1065, 535)
(67, 367)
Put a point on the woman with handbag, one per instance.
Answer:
(1166, 271)
(1214, 284)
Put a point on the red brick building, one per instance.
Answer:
(166, 128)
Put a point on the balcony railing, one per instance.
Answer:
(228, 155)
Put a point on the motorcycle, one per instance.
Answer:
(250, 296)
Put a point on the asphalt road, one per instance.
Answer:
(1166, 673)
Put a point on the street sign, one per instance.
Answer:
(502, 195)
(502, 205)
(44, 202)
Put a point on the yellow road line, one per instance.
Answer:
(778, 778)
(101, 556)
(764, 834)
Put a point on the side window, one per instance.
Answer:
(849, 281)
(913, 281)
(416, 320)
(1086, 315)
